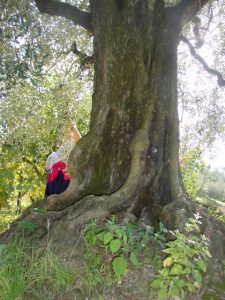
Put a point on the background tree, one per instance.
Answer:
(41, 115)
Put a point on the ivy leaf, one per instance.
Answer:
(134, 260)
(107, 237)
(119, 266)
(115, 245)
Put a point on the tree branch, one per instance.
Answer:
(187, 9)
(221, 81)
(84, 58)
(66, 10)
(33, 165)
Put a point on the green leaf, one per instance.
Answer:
(115, 245)
(134, 260)
(187, 271)
(127, 249)
(119, 233)
(125, 238)
(119, 266)
(27, 225)
(164, 272)
(155, 284)
(202, 265)
(167, 262)
(91, 236)
(190, 287)
(197, 276)
(179, 282)
(176, 270)
(107, 237)
(162, 294)
(38, 210)
(174, 291)
(182, 293)
(100, 236)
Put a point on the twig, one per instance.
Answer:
(193, 52)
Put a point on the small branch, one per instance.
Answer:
(33, 165)
(66, 10)
(187, 9)
(84, 58)
(221, 81)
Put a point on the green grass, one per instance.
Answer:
(25, 274)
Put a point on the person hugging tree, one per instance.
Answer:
(56, 164)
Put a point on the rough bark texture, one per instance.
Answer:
(131, 151)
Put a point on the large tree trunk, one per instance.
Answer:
(131, 151)
(130, 158)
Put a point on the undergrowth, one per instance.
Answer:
(114, 249)
(27, 274)
(185, 264)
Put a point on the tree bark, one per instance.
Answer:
(132, 150)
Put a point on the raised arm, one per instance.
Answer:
(76, 134)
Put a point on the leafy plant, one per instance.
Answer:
(185, 263)
(121, 242)
(192, 166)
(160, 235)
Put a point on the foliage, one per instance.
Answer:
(96, 272)
(216, 212)
(43, 87)
(32, 44)
(192, 166)
(42, 115)
(7, 216)
(201, 100)
(185, 264)
(214, 185)
(25, 274)
(120, 243)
